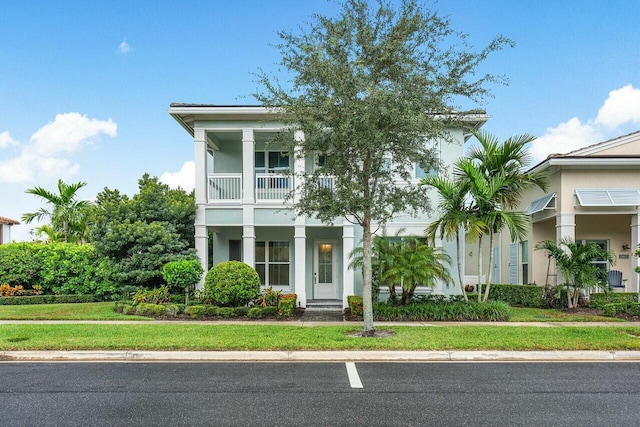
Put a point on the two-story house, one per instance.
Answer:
(240, 188)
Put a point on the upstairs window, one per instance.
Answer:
(271, 162)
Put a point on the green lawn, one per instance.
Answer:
(147, 336)
(79, 311)
(524, 314)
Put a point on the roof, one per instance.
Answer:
(8, 221)
(186, 114)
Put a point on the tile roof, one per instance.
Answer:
(8, 221)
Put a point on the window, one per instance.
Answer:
(235, 250)
(424, 170)
(524, 250)
(271, 162)
(272, 263)
(601, 264)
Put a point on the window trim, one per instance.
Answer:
(266, 263)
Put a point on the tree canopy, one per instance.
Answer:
(369, 87)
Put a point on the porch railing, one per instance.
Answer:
(225, 186)
(271, 186)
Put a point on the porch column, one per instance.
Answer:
(565, 228)
(635, 261)
(200, 160)
(298, 165)
(347, 274)
(202, 247)
(249, 245)
(300, 264)
(248, 161)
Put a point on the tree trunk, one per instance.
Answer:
(479, 285)
(490, 272)
(464, 293)
(367, 303)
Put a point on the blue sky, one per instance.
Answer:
(85, 85)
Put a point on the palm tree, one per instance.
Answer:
(455, 216)
(497, 180)
(576, 264)
(417, 263)
(67, 213)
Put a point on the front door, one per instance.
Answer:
(325, 274)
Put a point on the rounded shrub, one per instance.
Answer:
(232, 283)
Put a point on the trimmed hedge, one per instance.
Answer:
(599, 300)
(48, 299)
(232, 283)
(523, 295)
(492, 311)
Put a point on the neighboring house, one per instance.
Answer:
(5, 229)
(594, 195)
(240, 187)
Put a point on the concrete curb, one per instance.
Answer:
(319, 356)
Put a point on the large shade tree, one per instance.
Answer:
(368, 85)
(65, 211)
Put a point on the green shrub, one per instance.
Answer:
(460, 311)
(226, 312)
(254, 313)
(129, 309)
(598, 300)
(286, 307)
(633, 309)
(268, 297)
(171, 310)
(232, 283)
(614, 308)
(355, 304)
(182, 274)
(195, 311)
(269, 311)
(524, 295)
(241, 311)
(47, 299)
(152, 296)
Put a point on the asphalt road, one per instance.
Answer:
(320, 394)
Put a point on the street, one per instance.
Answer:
(320, 394)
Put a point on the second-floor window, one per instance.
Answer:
(272, 162)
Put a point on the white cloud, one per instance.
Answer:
(622, 106)
(6, 140)
(44, 156)
(184, 179)
(124, 47)
(565, 137)
(68, 132)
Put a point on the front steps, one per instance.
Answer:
(324, 305)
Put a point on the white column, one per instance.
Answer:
(200, 159)
(202, 246)
(300, 264)
(298, 164)
(249, 245)
(635, 261)
(248, 168)
(565, 226)
(347, 274)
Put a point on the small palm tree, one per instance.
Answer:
(67, 213)
(455, 217)
(416, 263)
(575, 263)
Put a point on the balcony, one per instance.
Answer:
(268, 187)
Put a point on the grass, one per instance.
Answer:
(79, 311)
(262, 337)
(525, 314)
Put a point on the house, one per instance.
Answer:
(594, 195)
(240, 188)
(5, 229)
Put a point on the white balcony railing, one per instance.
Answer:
(225, 186)
(272, 187)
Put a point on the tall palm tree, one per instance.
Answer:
(576, 263)
(455, 216)
(497, 178)
(416, 264)
(66, 213)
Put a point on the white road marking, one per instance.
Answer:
(354, 378)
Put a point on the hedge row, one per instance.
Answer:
(492, 311)
(522, 295)
(198, 311)
(600, 300)
(48, 299)
(611, 309)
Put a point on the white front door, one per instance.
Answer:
(325, 272)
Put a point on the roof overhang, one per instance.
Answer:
(608, 197)
(586, 162)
